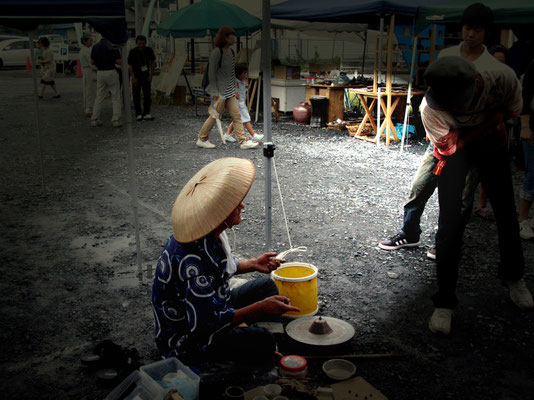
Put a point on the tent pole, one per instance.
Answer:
(36, 101)
(268, 148)
(191, 2)
(131, 158)
(409, 94)
(389, 76)
(364, 52)
(258, 100)
(380, 50)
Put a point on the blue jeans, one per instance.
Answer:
(423, 186)
(527, 192)
(250, 344)
(494, 172)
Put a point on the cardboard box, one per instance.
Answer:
(322, 68)
(286, 72)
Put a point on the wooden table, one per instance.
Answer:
(335, 95)
(396, 95)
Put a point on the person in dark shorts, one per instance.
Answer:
(48, 68)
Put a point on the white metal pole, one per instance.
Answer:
(36, 101)
(131, 157)
(380, 46)
(409, 94)
(266, 68)
(378, 117)
(258, 97)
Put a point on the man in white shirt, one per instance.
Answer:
(463, 113)
(89, 75)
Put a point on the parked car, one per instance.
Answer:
(9, 37)
(14, 52)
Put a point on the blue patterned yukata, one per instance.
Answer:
(190, 295)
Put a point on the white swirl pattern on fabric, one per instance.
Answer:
(172, 311)
(164, 265)
(191, 270)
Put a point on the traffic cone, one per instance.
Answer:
(79, 72)
(28, 65)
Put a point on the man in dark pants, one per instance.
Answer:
(477, 21)
(141, 66)
(463, 113)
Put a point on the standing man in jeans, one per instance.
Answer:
(477, 20)
(141, 62)
(463, 113)
(104, 57)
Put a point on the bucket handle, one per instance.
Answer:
(300, 249)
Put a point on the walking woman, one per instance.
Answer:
(48, 68)
(222, 89)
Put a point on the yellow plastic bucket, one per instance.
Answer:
(298, 282)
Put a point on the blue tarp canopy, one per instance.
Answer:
(105, 16)
(363, 11)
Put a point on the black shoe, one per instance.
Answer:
(431, 253)
(399, 241)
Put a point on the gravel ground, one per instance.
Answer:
(67, 252)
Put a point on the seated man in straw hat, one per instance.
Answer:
(198, 317)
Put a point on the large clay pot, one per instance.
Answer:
(302, 113)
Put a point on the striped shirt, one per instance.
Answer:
(221, 79)
(231, 88)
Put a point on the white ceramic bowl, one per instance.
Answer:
(339, 369)
(272, 390)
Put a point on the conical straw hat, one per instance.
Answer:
(210, 196)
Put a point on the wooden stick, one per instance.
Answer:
(357, 356)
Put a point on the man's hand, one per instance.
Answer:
(134, 80)
(215, 99)
(150, 78)
(267, 263)
(275, 305)
(237, 96)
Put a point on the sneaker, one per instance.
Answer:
(116, 124)
(525, 230)
(96, 122)
(520, 294)
(57, 96)
(431, 253)
(148, 117)
(230, 138)
(205, 144)
(248, 144)
(257, 137)
(440, 321)
(399, 241)
(139, 117)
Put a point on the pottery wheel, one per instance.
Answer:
(320, 331)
